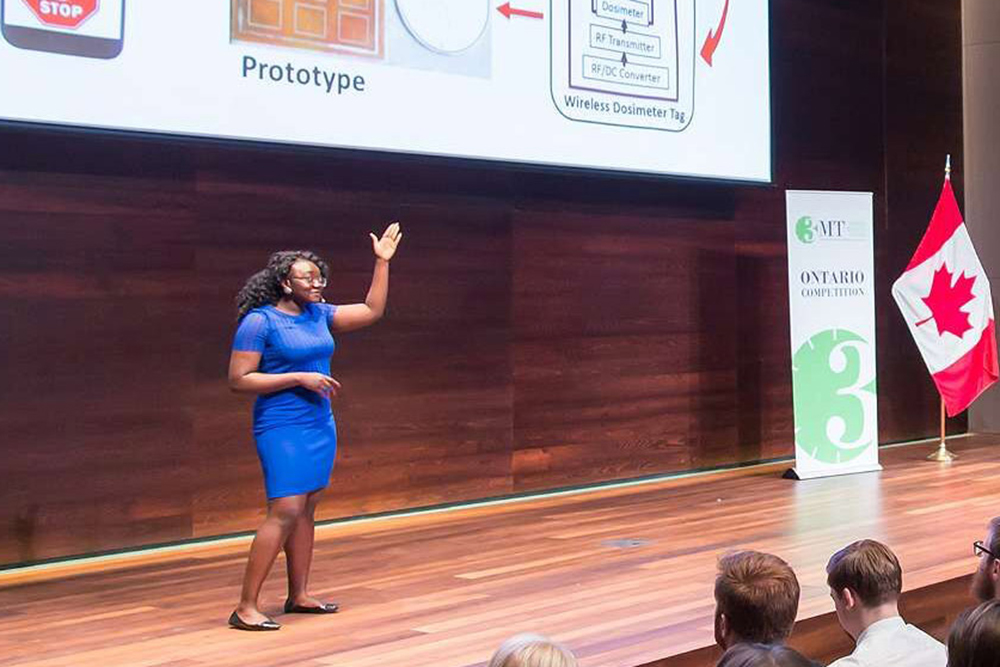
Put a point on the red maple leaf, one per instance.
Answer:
(946, 301)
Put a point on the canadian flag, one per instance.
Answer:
(944, 295)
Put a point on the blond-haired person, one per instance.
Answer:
(529, 650)
(865, 582)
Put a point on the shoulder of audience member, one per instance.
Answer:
(927, 638)
(846, 661)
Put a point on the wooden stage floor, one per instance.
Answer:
(624, 576)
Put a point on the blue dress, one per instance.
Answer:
(294, 428)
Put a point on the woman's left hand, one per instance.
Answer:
(385, 247)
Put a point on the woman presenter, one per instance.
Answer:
(281, 353)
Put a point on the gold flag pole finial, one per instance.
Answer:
(947, 167)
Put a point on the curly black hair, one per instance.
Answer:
(264, 287)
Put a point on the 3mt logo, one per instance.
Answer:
(63, 13)
(808, 230)
(833, 377)
(804, 229)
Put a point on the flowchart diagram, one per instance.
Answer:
(624, 62)
(626, 47)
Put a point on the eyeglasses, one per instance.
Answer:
(978, 548)
(318, 281)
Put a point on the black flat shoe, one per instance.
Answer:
(238, 623)
(325, 608)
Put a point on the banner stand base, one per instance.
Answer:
(792, 473)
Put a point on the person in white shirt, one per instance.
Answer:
(865, 582)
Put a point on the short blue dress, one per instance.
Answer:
(294, 428)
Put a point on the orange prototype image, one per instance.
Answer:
(336, 26)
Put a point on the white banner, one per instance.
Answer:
(831, 293)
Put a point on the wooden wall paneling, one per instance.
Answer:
(623, 362)
(763, 381)
(96, 425)
(923, 92)
(429, 419)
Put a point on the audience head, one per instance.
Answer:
(865, 582)
(986, 581)
(528, 650)
(756, 599)
(763, 655)
(974, 640)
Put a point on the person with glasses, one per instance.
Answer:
(986, 580)
(281, 353)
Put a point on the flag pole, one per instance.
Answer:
(941, 454)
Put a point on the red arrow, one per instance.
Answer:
(507, 10)
(712, 41)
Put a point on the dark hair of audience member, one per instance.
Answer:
(974, 640)
(759, 595)
(764, 655)
(994, 544)
(868, 568)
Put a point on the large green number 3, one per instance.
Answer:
(834, 389)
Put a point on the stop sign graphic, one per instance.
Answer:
(63, 13)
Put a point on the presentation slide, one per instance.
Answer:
(671, 87)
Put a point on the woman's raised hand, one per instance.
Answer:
(385, 247)
(324, 385)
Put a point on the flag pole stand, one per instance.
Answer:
(942, 455)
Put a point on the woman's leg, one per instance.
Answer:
(299, 553)
(282, 516)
